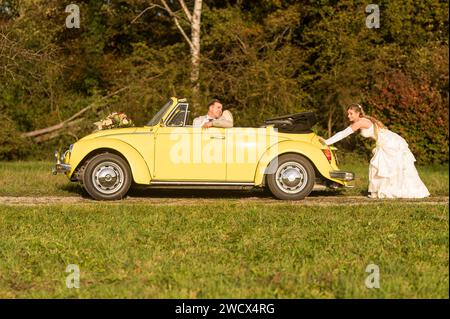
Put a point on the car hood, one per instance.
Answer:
(110, 132)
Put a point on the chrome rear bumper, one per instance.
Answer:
(343, 176)
(60, 167)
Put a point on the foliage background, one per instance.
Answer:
(262, 58)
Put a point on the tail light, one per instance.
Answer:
(327, 153)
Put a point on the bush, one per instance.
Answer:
(12, 145)
(416, 111)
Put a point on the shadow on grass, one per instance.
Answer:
(75, 189)
(138, 191)
(364, 193)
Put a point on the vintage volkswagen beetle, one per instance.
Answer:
(283, 155)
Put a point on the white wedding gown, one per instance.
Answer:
(392, 173)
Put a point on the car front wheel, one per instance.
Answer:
(292, 178)
(107, 176)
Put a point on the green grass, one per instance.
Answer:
(35, 178)
(225, 250)
(230, 249)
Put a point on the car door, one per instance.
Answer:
(184, 153)
(245, 148)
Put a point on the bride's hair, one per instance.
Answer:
(376, 123)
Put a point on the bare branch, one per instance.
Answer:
(160, 7)
(64, 123)
(243, 46)
(145, 10)
(177, 23)
(51, 135)
(15, 57)
(186, 10)
(174, 16)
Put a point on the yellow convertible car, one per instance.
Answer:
(283, 155)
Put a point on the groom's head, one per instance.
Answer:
(215, 108)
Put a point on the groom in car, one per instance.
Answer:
(215, 117)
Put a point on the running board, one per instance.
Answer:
(201, 185)
(210, 185)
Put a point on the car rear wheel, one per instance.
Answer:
(107, 176)
(293, 178)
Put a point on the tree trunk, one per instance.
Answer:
(194, 42)
(53, 134)
(330, 122)
(61, 125)
(195, 52)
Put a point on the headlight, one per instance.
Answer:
(67, 153)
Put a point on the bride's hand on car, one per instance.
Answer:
(322, 140)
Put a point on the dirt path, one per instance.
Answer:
(245, 200)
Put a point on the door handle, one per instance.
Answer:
(217, 137)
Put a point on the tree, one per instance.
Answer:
(262, 59)
(194, 19)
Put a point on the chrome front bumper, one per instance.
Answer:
(343, 176)
(60, 167)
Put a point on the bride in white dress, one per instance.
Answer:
(392, 173)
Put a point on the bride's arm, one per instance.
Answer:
(339, 136)
(349, 130)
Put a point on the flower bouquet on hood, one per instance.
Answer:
(114, 120)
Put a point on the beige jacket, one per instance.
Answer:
(225, 121)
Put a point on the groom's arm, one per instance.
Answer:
(225, 121)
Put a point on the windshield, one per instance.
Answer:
(157, 118)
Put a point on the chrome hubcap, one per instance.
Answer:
(291, 177)
(107, 177)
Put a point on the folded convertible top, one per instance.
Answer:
(294, 123)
